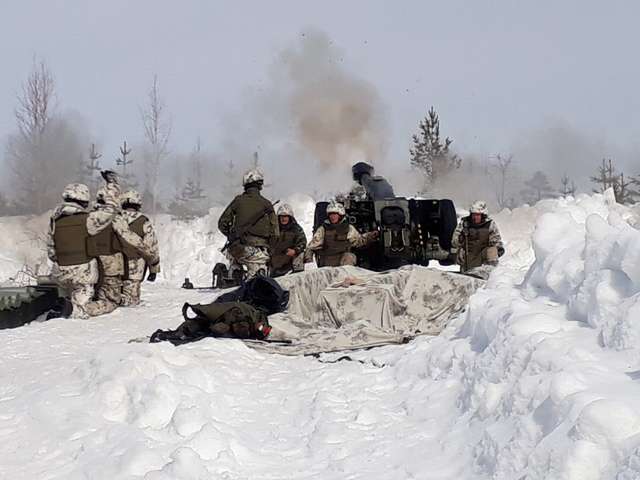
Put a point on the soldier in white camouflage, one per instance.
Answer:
(139, 224)
(476, 244)
(334, 239)
(75, 239)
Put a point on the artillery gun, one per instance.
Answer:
(412, 230)
(21, 305)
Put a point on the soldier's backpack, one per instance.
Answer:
(217, 319)
(263, 293)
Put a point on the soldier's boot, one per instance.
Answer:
(130, 293)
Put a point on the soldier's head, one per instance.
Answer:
(478, 212)
(77, 193)
(335, 212)
(253, 178)
(285, 214)
(131, 200)
(360, 169)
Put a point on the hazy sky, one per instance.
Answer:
(495, 70)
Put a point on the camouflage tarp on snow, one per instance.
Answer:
(379, 309)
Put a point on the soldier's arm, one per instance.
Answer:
(151, 241)
(121, 227)
(455, 239)
(275, 226)
(357, 239)
(300, 241)
(51, 247)
(98, 220)
(225, 222)
(317, 241)
(495, 239)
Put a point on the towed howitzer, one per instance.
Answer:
(21, 305)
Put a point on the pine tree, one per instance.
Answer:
(568, 187)
(430, 154)
(537, 188)
(607, 177)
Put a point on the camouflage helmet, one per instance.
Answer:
(284, 210)
(479, 206)
(76, 191)
(252, 176)
(335, 207)
(132, 197)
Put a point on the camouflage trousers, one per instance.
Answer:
(108, 297)
(130, 293)
(254, 259)
(79, 282)
(131, 286)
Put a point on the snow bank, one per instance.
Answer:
(538, 379)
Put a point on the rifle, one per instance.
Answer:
(21, 305)
(236, 235)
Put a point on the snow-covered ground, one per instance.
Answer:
(536, 380)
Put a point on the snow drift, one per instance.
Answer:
(537, 379)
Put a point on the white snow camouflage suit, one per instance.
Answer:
(137, 266)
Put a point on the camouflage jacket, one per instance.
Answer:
(470, 242)
(149, 240)
(355, 238)
(97, 220)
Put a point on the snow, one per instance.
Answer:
(538, 379)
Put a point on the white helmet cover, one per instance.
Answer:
(76, 191)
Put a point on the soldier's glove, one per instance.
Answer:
(151, 277)
(109, 176)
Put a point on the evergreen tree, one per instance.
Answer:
(430, 154)
(606, 177)
(567, 186)
(537, 188)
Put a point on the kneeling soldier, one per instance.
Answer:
(288, 250)
(334, 239)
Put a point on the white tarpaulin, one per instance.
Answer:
(345, 308)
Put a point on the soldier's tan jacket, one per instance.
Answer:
(494, 239)
(355, 238)
(150, 251)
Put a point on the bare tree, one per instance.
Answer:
(35, 103)
(501, 164)
(157, 130)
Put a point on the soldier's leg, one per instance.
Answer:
(256, 260)
(109, 296)
(80, 296)
(130, 293)
(348, 259)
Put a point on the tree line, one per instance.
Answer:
(432, 156)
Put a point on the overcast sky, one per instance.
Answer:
(494, 70)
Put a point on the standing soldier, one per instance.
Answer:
(251, 227)
(476, 241)
(288, 250)
(139, 224)
(334, 239)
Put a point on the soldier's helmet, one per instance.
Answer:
(479, 206)
(76, 191)
(252, 176)
(285, 209)
(131, 197)
(335, 207)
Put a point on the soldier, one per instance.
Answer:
(69, 241)
(334, 239)
(476, 241)
(287, 252)
(251, 227)
(139, 224)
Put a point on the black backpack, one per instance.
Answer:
(263, 293)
